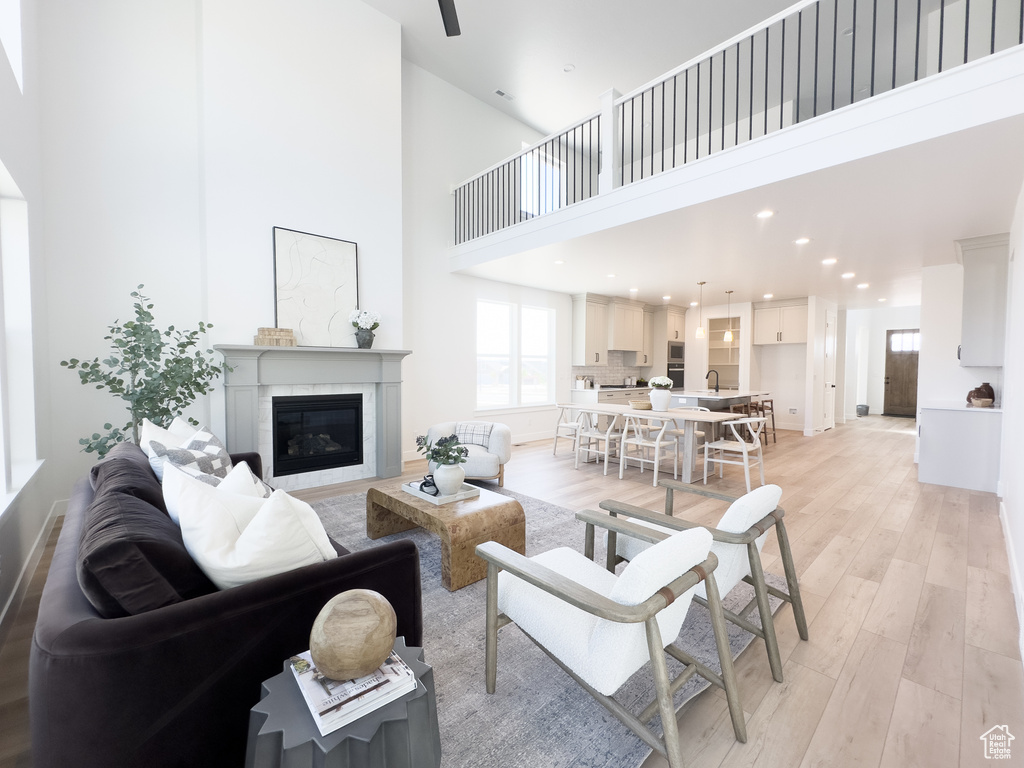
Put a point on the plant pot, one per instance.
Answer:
(364, 338)
(661, 399)
(448, 478)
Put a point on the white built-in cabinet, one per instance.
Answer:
(589, 331)
(676, 325)
(626, 327)
(780, 325)
(646, 356)
(983, 324)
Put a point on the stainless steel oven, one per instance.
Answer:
(675, 372)
(676, 353)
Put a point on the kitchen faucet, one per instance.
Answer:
(708, 378)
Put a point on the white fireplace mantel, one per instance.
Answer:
(254, 367)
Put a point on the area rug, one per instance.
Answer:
(538, 716)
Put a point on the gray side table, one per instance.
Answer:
(401, 734)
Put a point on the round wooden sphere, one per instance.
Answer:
(353, 634)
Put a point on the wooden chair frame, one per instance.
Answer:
(501, 558)
(748, 539)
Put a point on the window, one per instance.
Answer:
(514, 355)
(540, 179)
(908, 341)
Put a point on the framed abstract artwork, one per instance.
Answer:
(316, 286)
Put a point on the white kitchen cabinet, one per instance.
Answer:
(646, 356)
(626, 327)
(960, 447)
(983, 324)
(676, 326)
(780, 325)
(589, 331)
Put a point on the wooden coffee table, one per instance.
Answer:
(461, 525)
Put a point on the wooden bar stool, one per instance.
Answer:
(766, 407)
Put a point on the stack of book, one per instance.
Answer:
(334, 703)
(274, 337)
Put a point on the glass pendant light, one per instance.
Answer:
(700, 312)
(728, 317)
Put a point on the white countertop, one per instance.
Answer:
(710, 394)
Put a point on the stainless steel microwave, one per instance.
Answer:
(676, 352)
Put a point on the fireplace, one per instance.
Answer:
(317, 432)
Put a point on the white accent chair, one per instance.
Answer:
(601, 628)
(489, 444)
(746, 446)
(739, 537)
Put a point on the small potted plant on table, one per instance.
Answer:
(447, 454)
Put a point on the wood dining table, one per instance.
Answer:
(685, 419)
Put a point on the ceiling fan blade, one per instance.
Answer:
(449, 17)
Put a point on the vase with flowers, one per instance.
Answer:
(661, 393)
(365, 322)
(444, 457)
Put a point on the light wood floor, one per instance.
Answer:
(913, 650)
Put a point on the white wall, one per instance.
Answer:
(865, 360)
(783, 371)
(447, 137)
(1012, 507)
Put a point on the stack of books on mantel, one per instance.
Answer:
(334, 703)
(274, 337)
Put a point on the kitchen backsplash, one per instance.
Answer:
(613, 373)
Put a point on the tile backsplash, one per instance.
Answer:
(614, 372)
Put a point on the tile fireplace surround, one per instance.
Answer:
(260, 373)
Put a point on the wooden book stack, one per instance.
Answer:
(274, 337)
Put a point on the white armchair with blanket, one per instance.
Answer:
(489, 444)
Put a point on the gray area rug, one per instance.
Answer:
(538, 716)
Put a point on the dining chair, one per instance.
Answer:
(738, 539)
(601, 629)
(595, 438)
(745, 447)
(566, 428)
(679, 433)
(650, 444)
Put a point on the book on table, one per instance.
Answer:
(334, 703)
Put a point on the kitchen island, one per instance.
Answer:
(712, 400)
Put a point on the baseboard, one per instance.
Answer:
(10, 611)
(1016, 582)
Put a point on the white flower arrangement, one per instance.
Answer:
(661, 382)
(364, 319)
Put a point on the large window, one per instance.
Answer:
(541, 184)
(514, 355)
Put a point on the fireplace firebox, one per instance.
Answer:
(317, 432)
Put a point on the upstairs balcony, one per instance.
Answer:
(817, 58)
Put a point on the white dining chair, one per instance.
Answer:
(649, 444)
(594, 438)
(679, 434)
(566, 428)
(744, 447)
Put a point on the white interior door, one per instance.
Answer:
(829, 398)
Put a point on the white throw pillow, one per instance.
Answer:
(179, 433)
(240, 481)
(237, 538)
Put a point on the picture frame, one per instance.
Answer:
(316, 286)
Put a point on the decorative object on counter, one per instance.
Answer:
(700, 311)
(727, 336)
(641, 382)
(661, 393)
(157, 373)
(982, 397)
(274, 337)
(365, 322)
(353, 634)
(640, 405)
(447, 453)
(581, 382)
(315, 281)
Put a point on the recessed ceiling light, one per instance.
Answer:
(881, 299)
(694, 303)
(611, 275)
(802, 240)
(862, 285)
(633, 290)
(766, 214)
(559, 262)
(569, 68)
(666, 298)
(828, 262)
(847, 275)
(769, 295)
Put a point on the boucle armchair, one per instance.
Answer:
(489, 444)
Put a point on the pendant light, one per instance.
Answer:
(700, 312)
(728, 317)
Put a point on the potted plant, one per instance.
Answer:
(158, 373)
(365, 322)
(661, 393)
(447, 454)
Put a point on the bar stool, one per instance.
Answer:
(766, 408)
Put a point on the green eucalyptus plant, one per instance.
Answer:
(158, 373)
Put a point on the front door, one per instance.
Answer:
(901, 353)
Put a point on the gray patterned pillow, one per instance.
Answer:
(203, 457)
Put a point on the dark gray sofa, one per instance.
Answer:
(172, 685)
